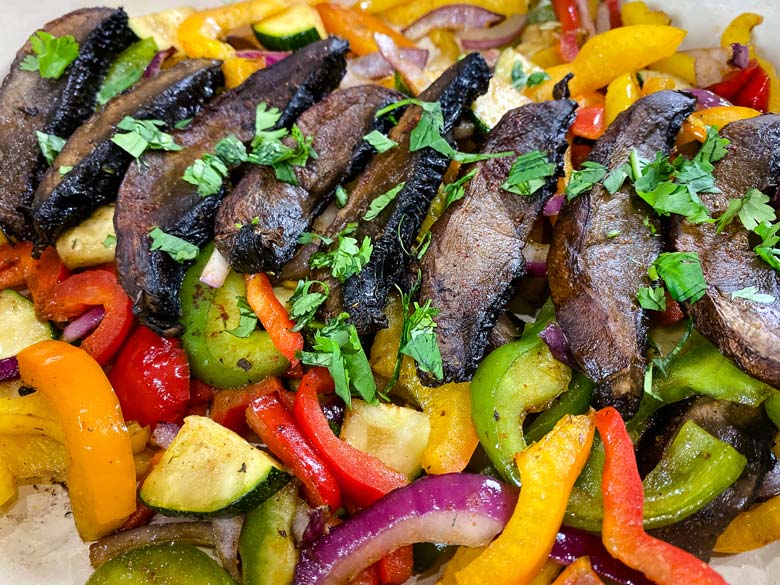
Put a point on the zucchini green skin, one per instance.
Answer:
(287, 42)
(161, 564)
(21, 327)
(216, 357)
(294, 28)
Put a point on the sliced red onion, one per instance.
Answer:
(270, 57)
(456, 508)
(740, 55)
(316, 528)
(585, 18)
(9, 369)
(164, 434)
(156, 63)
(215, 271)
(413, 76)
(301, 521)
(453, 17)
(536, 258)
(603, 19)
(555, 339)
(374, 66)
(496, 36)
(83, 325)
(226, 534)
(554, 204)
(707, 99)
(571, 544)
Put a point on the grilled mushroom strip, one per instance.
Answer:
(153, 194)
(30, 104)
(594, 277)
(476, 253)
(97, 164)
(746, 331)
(259, 223)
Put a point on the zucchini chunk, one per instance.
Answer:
(21, 327)
(211, 471)
(294, 28)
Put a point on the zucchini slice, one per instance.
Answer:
(294, 28)
(21, 327)
(211, 471)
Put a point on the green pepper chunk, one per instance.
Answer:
(127, 69)
(576, 400)
(266, 546)
(772, 406)
(514, 380)
(693, 471)
(219, 358)
(161, 564)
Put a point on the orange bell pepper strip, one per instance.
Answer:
(579, 572)
(101, 478)
(237, 70)
(752, 529)
(199, 34)
(16, 264)
(622, 531)
(548, 470)
(273, 316)
(358, 28)
(695, 127)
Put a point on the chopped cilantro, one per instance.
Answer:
(681, 273)
(519, 77)
(752, 209)
(714, 147)
(423, 245)
(341, 196)
(652, 298)
(457, 189)
(247, 321)
(751, 293)
(303, 303)
(615, 179)
(207, 173)
(182, 124)
(307, 238)
(537, 78)
(541, 13)
(177, 248)
(110, 241)
(529, 173)
(584, 179)
(379, 203)
(50, 145)
(767, 249)
(231, 151)
(141, 135)
(613, 233)
(650, 225)
(347, 259)
(379, 141)
(64, 170)
(52, 55)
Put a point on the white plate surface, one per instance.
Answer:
(38, 543)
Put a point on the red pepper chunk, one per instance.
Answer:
(396, 568)
(273, 315)
(276, 427)
(229, 406)
(622, 531)
(748, 87)
(589, 122)
(151, 378)
(16, 264)
(568, 15)
(362, 477)
(48, 272)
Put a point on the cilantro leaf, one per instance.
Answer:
(307, 238)
(207, 173)
(423, 245)
(231, 151)
(766, 250)
(751, 293)
(341, 196)
(755, 209)
(529, 173)
(615, 179)
(52, 55)
(182, 124)
(652, 298)
(457, 189)
(714, 147)
(681, 273)
(420, 339)
(110, 241)
(177, 248)
(50, 145)
(379, 203)
(141, 135)
(584, 179)
(64, 170)
(379, 141)
(247, 321)
(267, 118)
(347, 259)
(537, 78)
(303, 303)
(518, 76)
(669, 198)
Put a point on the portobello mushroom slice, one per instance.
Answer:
(30, 104)
(153, 193)
(97, 164)
(746, 429)
(594, 275)
(476, 254)
(744, 330)
(394, 229)
(259, 223)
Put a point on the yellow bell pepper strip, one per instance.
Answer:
(7, 484)
(622, 531)
(740, 29)
(199, 34)
(139, 436)
(695, 127)
(679, 65)
(580, 572)
(405, 14)
(610, 54)
(658, 83)
(34, 459)
(621, 93)
(460, 560)
(549, 469)
(29, 415)
(358, 28)
(634, 13)
(238, 69)
(752, 529)
(374, 6)
(101, 479)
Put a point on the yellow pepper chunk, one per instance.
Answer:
(238, 69)
(739, 30)
(406, 13)
(621, 93)
(721, 115)
(634, 13)
(752, 529)
(34, 459)
(680, 65)
(460, 560)
(7, 484)
(374, 6)
(611, 54)
(548, 469)
(29, 415)
(101, 478)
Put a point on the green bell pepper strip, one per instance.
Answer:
(127, 69)
(217, 357)
(694, 470)
(576, 400)
(514, 380)
(772, 406)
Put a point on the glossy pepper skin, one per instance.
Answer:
(579, 572)
(276, 427)
(101, 478)
(16, 264)
(752, 529)
(622, 530)
(151, 378)
(589, 122)
(357, 27)
(747, 88)
(549, 469)
(274, 317)
(571, 21)
(229, 406)
(363, 478)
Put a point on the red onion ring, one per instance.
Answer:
(9, 369)
(413, 76)
(496, 36)
(536, 258)
(706, 99)
(83, 325)
(215, 271)
(740, 56)
(453, 17)
(156, 63)
(164, 434)
(556, 340)
(271, 57)
(554, 204)
(374, 66)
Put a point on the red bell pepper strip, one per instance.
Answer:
(615, 18)
(622, 531)
(568, 14)
(229, 406)
(48, 272)
(75, 295)
(396, 568)
(273, 315)
(200, 392)
(590, 122)
(367, 577)
(151, 378)
(362, 477)
(748, 87)
(273, 423)
(16, 264)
